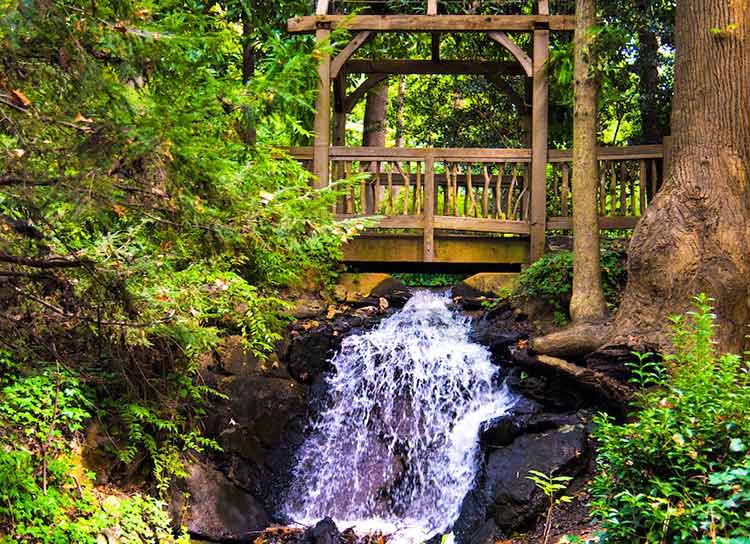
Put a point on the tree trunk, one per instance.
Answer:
(695, 237)
(587, 300)
(647, 65)
(374, 131)
(400, 102)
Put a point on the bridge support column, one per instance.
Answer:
(322, 115)
(428, 218)
(539, 130)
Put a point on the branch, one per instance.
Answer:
(12, 180)
(52, 262)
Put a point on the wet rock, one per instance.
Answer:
(485, 285)
(553, 394)
(324, 532)
(308, 306)
(311, 350)
(504, 494)
(236, 359)
(219, 510)
(366, 289)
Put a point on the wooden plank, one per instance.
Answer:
(539, 142)
(428, 217)
(623, 192)
(523, 59)
(430, 67)
(613, 153)
(432, 23)
(606, 222)
(322, 123)
(349, 49)
(388, 222)
(457, 154)
(474, 224)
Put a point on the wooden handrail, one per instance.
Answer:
(475, 154)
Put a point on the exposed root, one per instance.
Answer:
(576, 340)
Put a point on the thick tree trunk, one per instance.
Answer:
(647, 65)
(374, 131)
(696, 235)
(587, 301)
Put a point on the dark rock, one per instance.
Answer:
(324, 532)
(218, 510)
(236, 359)
(504, 494)
(393, 291)
(308, 306)
(553, 394)
(310, 352)
(496, 337)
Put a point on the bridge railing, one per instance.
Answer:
(484, 190)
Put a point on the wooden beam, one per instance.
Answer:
(539, 137)
(428, 243)
(435, 46)
(606, 222)
(432, 23)
(322, 115)
(503, 39)
(349, 49)
(425, 67)
(444, 222)
(451, 154)
(339, 113)
(360, 92)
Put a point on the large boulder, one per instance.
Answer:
(366, 289)
(218, 510)
(504, 499)
(486, 285)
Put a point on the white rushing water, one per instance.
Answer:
(395, 450)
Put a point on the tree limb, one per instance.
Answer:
(51, 262)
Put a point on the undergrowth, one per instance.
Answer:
(679, 471)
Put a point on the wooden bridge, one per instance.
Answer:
(463, 206)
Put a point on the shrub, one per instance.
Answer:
(550, 279)
(680, 471)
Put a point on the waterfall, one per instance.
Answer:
(395, 449)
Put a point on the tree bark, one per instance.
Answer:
(587, 300)
(374, 131)
(647, 65)
(695, 237)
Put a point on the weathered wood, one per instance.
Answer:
(523, 59)
(435, 47)
(478, 224)
(322, 112)
(321, 7)
(540, 123)
(642, 187)
(417, 203)
(428, 241)
(565, 189)
(486, 193)
(612, 191)
(431, 23)
(349, 49)
(613, 153)
(432, 8)
(606, 222)
(430, 67)
(623, 193)
(389, 173)
(339, 113)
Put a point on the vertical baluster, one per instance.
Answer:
(406, 174)
(555, 189)
(612, 191)
(499, 191)
(602, 189)
(389, 174)
(448, 193)
(654, 177)
(376, 195)
(472, 204)
(631, 173)
(526, 191)
(418, 198)
(350, 201)
(363, 193)
(642, 182)
(511, 189)
(623, 193)
(565, 189)
(486, 192)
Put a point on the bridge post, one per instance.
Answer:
(540, 124)
(428, 217)
(322, 126)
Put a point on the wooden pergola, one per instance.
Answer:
(501, 191)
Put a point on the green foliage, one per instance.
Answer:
(550, 279)
(678, 471)
(429, 280)
(551, 486)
